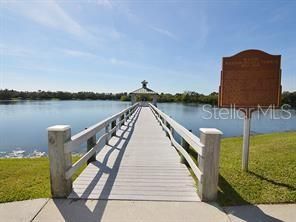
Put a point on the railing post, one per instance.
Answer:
(209, 163)
(169, 127)
(107, 131)
(165, 124)
(125, 116)
(91, 142)
(113, 124)
(60, 161)
(122, 118)
(172, 132)
(185, 145)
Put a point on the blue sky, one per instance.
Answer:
(111, 46)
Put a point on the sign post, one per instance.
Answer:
(250, 79)
(246, 139)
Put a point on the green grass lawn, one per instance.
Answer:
(272, 176)
(22, 179)
(272, 170)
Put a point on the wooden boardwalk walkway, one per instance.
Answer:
(139, 163)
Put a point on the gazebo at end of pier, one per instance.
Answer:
(143, 93)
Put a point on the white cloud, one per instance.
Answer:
(77, 53)
(8, 50)
(115, 61)
(85, 54)
(48, 13)
(120, 7)
(106, 33)
(203, 28)
(105, 3)
(164, 32)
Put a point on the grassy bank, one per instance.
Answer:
(22, 179)
(272, 176)
(272, 170)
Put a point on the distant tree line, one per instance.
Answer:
(185, 97)
(189, 97)
(194, 97)
(46, 95)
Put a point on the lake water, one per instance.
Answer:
(23, 123)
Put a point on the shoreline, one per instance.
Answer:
(20, 153)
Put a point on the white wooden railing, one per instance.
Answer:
(207, 149)
(61, 144)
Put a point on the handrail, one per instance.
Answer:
(69, 173)
(197, 172)
(190, 138)
(207, 149)
(82, 136)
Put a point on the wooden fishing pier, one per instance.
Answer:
(134, 155)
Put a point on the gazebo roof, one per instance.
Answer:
(144, 90)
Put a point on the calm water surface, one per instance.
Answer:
(194, 117)
(23, 123)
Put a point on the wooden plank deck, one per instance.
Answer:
(139, 163)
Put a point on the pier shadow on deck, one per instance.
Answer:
(139, 163)
(104, 171)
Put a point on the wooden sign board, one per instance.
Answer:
(249, 79)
